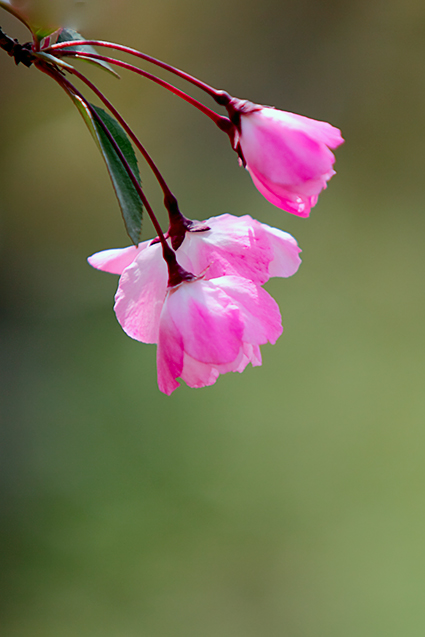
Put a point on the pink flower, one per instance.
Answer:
(233, 258)
(207, 328)
(287, 155)
(236, 246)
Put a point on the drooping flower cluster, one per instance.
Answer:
(216, 322)
(214, 319)
(196, 292)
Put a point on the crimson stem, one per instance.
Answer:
(221, 97)
(170, 200)
(176, 274)
(222, 122)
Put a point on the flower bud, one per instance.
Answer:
(287, 155)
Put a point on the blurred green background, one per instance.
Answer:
(284, 502)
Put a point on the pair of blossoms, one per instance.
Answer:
(217, 316)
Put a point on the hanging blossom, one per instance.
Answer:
(215, 322)
(195, 292)
(288, 156)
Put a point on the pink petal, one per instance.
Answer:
(197, 374)
(233, 246)
(141, 293)
(208, 321)
(258, 310)
(247, 354)
(239, 246)
(169, 355)
(253, 353)
(281, 197)
(287, 156)
(286, 260)
(321, 131)
(116, 260)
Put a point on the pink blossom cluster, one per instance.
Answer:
(197, 291)
(215, 323)
(214, 319)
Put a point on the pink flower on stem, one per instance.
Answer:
(288, 156)
(233, 258)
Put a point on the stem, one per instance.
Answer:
(221, 121)
(70, 88)
(219, 96)
(168, 195)
(176, 274)
(178, 222)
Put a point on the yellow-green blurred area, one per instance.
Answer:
(288, 501)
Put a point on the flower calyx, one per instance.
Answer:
(177, 232)
(178, 275)
(179, 225)
(237, 107)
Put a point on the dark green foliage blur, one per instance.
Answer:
(288, 501)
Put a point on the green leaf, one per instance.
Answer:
(53, 60)
(67, 35)
(127, 195)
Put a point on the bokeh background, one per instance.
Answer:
(288, 501)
